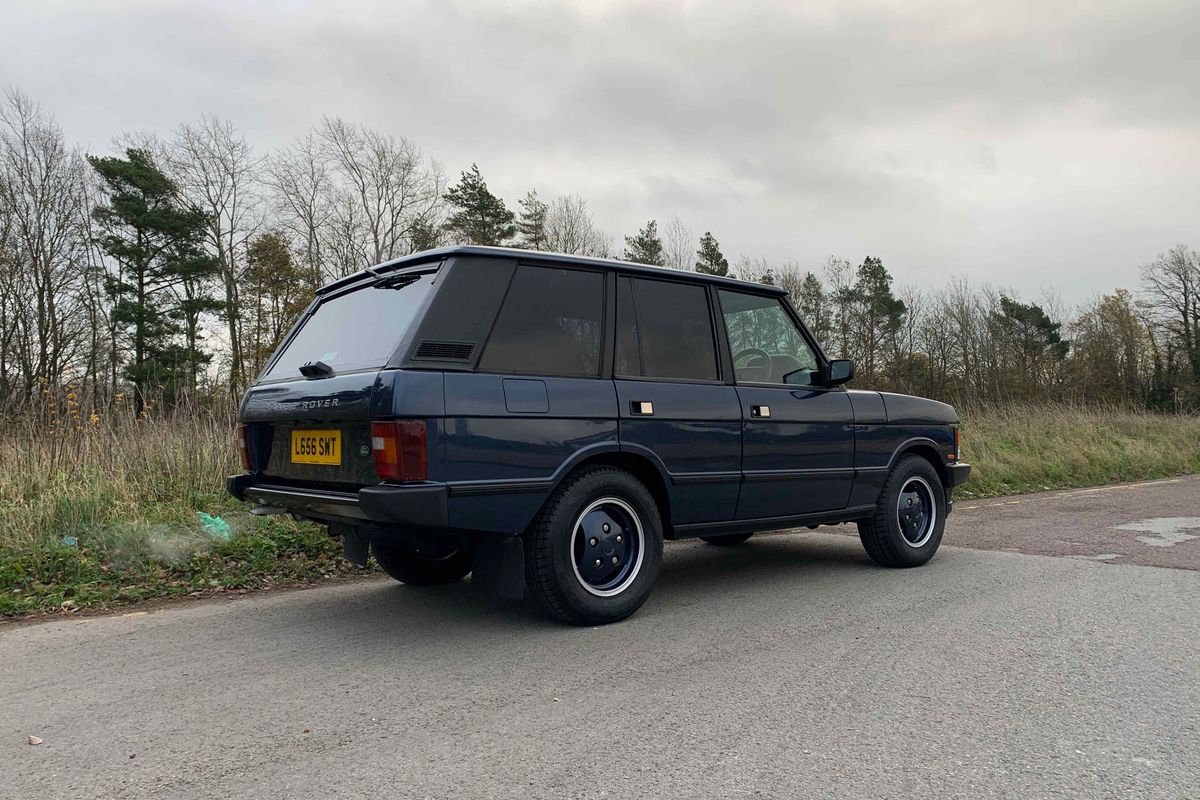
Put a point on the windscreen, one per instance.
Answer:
(357, 330)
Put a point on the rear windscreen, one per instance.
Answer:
(357, 330)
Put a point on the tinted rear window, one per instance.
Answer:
(550, 324)
(353, 331)
(664, 331)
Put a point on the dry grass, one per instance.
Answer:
(96, 513)
(127, 492)
(85, 480)
(1031, 448)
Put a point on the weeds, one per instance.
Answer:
(106, 512)
(100, 512)
(1019, 448)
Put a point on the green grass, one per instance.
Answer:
(128, 492)
(172, 560)
(104, 514)
(1019, 449)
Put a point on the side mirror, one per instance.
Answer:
(839, 371)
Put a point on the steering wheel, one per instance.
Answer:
(760, 355)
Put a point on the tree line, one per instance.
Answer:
(169, 268)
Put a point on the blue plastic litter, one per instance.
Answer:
(69, 541)
(215, 526)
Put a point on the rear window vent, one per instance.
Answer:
(434, 350)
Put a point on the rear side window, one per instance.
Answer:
(664, 331)
(550, 324)
(356, 330)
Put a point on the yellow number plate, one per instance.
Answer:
(317, 447)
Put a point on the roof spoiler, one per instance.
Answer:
(400, 266)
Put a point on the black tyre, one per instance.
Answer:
(593, 553)
(411, 566)
(910, 518)
(726, 539)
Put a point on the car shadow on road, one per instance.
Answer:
(693, 573)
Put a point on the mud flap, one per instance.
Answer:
(499, 566)
(354, 546)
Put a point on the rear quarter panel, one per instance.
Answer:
(501, 464)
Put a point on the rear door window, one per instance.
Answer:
(357, 330)
(550, 324)
(664, 330)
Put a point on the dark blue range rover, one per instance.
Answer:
(547, 421)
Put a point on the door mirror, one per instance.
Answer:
(839, 371)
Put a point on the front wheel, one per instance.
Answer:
(411, 566)
(593, 553)
(910, 517)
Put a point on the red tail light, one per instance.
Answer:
(399, 448)
(243, 447)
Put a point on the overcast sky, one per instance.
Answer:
(1028, 144)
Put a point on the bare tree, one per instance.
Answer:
(388, 191)
(907, 370)
(43, 201)
(838, 277)
(679, 245)
(217, 171)
(1172, 286)
(301, 189)
(569, 228)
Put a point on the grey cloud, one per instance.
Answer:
(945, 137)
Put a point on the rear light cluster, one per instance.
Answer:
(399, 449)
(957, 442)
(243, 447)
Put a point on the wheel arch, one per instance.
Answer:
(641, 467)
(924, 448)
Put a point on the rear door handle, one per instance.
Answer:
(641, 408)
(760, 411)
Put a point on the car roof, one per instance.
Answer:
(538, 256)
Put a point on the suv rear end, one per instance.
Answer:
(332, 431)
(347, 425)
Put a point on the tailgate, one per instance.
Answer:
(316, 432)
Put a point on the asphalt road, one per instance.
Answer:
(789, 667)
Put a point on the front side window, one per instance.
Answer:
(664, 331)
(550, 324)
(767, 346)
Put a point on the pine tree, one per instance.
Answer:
(813, 305)
(481, 217)
(425, 235)
(645, 247)
(1029, 341)
(274, 294)
(531, 224)
(194, 298)
(878, 314)
(709, 258)
(163, 277)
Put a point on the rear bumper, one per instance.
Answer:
(420, 505)
(957, 474)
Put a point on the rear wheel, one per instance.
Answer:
(594, 551)
(910, 518)
(411, 566)
(726, 539)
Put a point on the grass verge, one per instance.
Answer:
(106, 513)
(1016, 449)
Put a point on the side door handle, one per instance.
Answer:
(760, 411)
(641, 408)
